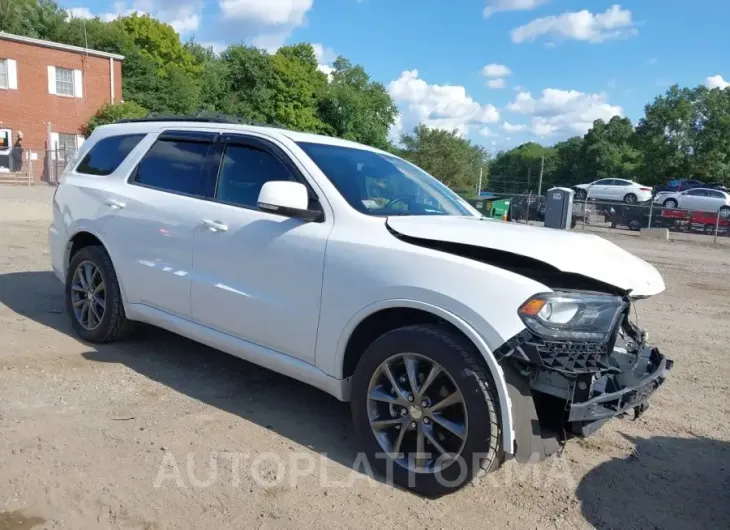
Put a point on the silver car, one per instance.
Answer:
(701, 199)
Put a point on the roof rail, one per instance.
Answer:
(201, 116)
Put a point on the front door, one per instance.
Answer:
(258, 276)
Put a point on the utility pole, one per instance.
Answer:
(479, 185)
(528, 178)
(539, 182)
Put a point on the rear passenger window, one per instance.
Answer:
(108, 153)
(244, 171)
(175, 166)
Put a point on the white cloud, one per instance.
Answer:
(183, 15)
(267, 12)
(265, 24)
(323, 55)
(496, 70)
(716, 81)
(580, 25)
(495, 6)
(80, 12)
(438, 106)
(486, 131)
(562, 112)
(496, 83)
(513, 128)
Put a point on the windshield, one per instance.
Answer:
(384, 185)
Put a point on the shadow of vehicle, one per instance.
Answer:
(666, 483)
(292, 409)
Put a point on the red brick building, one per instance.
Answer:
(48, 91)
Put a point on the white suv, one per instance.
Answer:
(458, 339)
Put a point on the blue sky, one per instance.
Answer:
(500, 71)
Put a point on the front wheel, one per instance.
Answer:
(425, 410)
(725, 211)
(581, 194)
(670, 203)
(93, 299)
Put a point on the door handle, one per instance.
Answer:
(215, 226)
(117, 205)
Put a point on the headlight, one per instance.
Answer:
(572, 316)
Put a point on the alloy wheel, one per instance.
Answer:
(88, 295)
(417, 413)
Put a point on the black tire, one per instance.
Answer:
(725, 211)
(670, 203)
(114, 324)
(630, 198)
(461, 360)
(581, 194)
(635, 225)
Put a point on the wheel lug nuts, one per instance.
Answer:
(403, 412)
(410, 398)
(426, 421)
(424, 403)
(413, 425)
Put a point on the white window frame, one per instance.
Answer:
(4, 74)
(76, 82)
(64, 83)
(10, 68)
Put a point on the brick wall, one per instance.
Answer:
(31, 107)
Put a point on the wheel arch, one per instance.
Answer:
(84, 237)
(367, 325)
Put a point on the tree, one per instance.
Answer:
(113, 112)
(40, 19)
(250, 80)
(447, 156)
(568, 163)
(518, 170)
(609, 150)
(355, 108)
(296, 86)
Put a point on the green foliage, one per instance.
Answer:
(112, 112)
(356, 108)
(686, 134)
(609, 150)
(40, 19)
(454, 160)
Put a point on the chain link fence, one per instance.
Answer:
(19, 165)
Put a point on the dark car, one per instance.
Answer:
(679, 185)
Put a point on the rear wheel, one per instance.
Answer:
(670, 203)
(635, 225)
(725, 211)
(630, 198)
(424, 408)
(93, 299)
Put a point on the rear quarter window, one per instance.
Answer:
(108, 154)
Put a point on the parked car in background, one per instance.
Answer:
(679, 185)
(701, 199)
(458, 339)
(627, 191)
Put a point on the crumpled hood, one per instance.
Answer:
(585, 254)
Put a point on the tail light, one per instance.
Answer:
(645, 189)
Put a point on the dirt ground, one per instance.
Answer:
(160, 432)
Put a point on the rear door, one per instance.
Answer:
(715, 200)
(258, 275)
(693, 200)
(148, 220)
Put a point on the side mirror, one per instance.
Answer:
(287, 198)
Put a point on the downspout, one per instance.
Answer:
(111, 76)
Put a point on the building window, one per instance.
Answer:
(66, 145)
(3, 73)
(64, 81)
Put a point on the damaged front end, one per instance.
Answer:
(575, 366)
